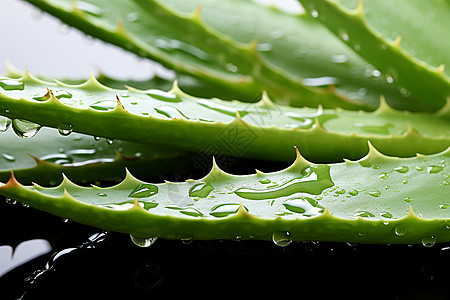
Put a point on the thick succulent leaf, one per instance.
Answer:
(301, 78)
(246, 58)
(406, 40)
(377, 199)
(260, 130)
(126, 25)
(298, 45)
(46, 156)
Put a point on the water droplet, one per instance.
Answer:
(314, 13)
(320, 81)
(57, 158)
(408, 199)
(386, 214)
(303, 121)
(143, 242)
(109, 141)
(189, 211)
(4, 123)
(402, 169)
(144, 190)
(384, 176)
(375, 193)
(65, 220)
(378, 129)
(102, 195)
(172, 44)
(201, 190)
(89, 8)
(340, 191)
(344, 35)
(316, 179)
(389, 79)
(231, 111)
(163, 96)
(65, 129)
(132, 17)
(63, 28)
(305, 206)
(231, 67)
(281, 238)
(339, 59)
(264, 47)
(429, 241)
(104, 105)
(400, 230)
(444, 206)
(10, 201)
(364, 214)
(223, 210)
(25, 129)
(62, 94)
(170, 112)
(353, 193)
(8, 157)
(434, 169)
(265, 181)
(11, 84)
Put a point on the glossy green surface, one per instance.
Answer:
(377, 199)
(173, 118)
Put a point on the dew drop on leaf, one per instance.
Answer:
(429, 241)
(143, 242)
(104, 105)
(375, 193)
(25, 129)
(201, 190)
(400, 230)
(402, 169)
(4, 123)
(11, 84)
(89, 8)
(163, 96)
(281, 238)
(144, 190)
(223, 210)
(8, 157)
(434, 169)
(65, 129)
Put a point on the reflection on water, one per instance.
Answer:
(27, 250)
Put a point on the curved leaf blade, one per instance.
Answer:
(347, 202)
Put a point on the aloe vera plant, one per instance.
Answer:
(370, 120)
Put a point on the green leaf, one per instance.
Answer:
(260, 130)
(406, 40)
(45, 157)
(126, 25)
(377, 199)
(297, 46)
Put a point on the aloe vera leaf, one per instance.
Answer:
(301, 47)
(260, 130)
(377, 199)
(126, 25)
(408, 60)
(159, 30)
(43, 158)
(245, 56)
